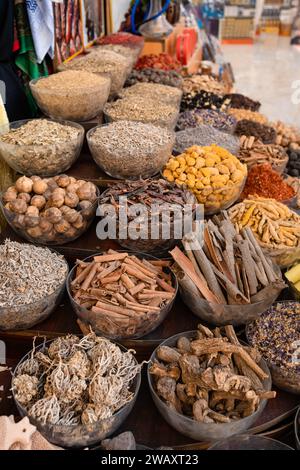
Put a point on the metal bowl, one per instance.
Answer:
(82, 435)
(201, 431)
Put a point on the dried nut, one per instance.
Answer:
(72, 180)
(52, 184)
(45, 226)
(40, 187)
(34, 232)
(71, 216)
(79, 223)
(56, 200)
(62, 227)
(53, 215)
(72, 232)
(33, 211)
(35, 178)
(25, 196)
(72, 187)
(31, 221)
(63, 181)
(24, 185)
(38, 201)
(65, 209)
(10, 194)
(84, 205)
(19, 221)
(19, 206)
(71, 200)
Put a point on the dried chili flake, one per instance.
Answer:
(263, 181)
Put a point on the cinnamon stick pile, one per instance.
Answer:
(210, 378)
(126, 295)
(228, 267)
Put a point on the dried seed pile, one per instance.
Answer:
(243, 102)
(72, 94)
(127, 149)
(28, 273)
(276, 334)
(70, 80)
(287, 136)
(254, 152)
(260, 131)
(154, 91)
(125, 294)
(203, 100)
(42, 147)
(217, 119)
(210, 378)
(142, 109)
(40, 132)
(197, 83)
(203, 136)
(103, 62)
(164, 77)
(75, 381)
(230, 268)
(245, 114)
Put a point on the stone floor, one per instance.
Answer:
(266, 71)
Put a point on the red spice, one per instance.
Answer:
(158, 61)
(123, 39)
(263, 181)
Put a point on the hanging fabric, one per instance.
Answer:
(41, 20)
(16, 104)
(26, 58)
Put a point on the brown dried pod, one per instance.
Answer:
(24, 185)
(38, 201)
(71, 216)
(10, 195)
(71, 200)
(65, 209)
(84, 205)
(34, 232)
(30, 221)
(45, 225)
(87, 191)
(72, 187)
(33, 211)
(72, 232)
(63, 181)
(79, 223)
(39, 187)
(52, 184)
(19, 221)
(56, 200)
(25, 196)
(19, 206)
(62, 227)
(35, 178)
(53, 215)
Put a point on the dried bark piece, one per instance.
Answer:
(166, 389)
(159, 370)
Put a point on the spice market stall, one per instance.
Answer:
(197, 310)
